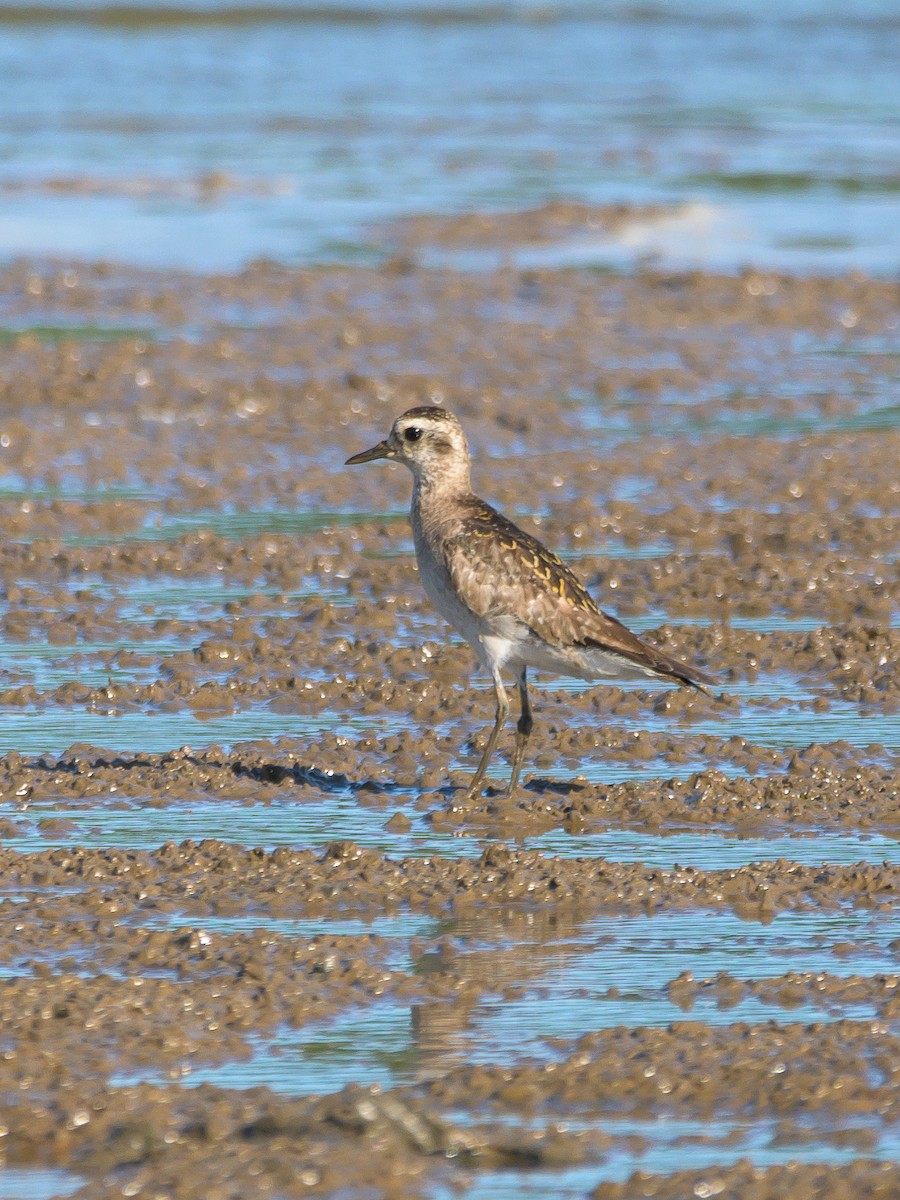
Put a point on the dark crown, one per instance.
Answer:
(431, 411)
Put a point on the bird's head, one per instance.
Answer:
(429, 441)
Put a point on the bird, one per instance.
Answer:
(513, 600)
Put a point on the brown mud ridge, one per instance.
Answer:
(691, 1068)
(717, 456)
(821, 788)
(221, 878)
(552, 222)
(800, 1181)
(202, 188)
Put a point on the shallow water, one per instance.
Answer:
(392, 1045)
(776, 709)
(163, 527)
(302, 823)
(565, 981)
(664, 1154)
(37, 1183)
(292, 140)
(46, 666)
(639, 955)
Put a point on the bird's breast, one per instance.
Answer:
(437, 582)
(439, 589)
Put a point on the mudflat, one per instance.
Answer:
(254, 941)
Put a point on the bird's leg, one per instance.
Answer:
(499, 718)
(524, 726)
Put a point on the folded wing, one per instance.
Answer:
(499, 570)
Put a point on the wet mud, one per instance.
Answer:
(254, 939)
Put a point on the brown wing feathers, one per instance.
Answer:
(537, 587)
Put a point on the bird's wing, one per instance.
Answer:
(499, 570)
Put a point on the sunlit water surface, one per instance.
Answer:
(203, 135)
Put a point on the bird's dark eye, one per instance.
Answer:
(412, 434)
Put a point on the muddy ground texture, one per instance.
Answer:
(717, 456)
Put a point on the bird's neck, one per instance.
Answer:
(438, 497)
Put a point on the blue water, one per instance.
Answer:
(666, 1153)
(293, 819)
(213, 134)
(563, 990)
(37, 1183)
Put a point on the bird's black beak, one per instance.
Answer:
(382, 450)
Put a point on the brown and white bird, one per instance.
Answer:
(514, 601)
